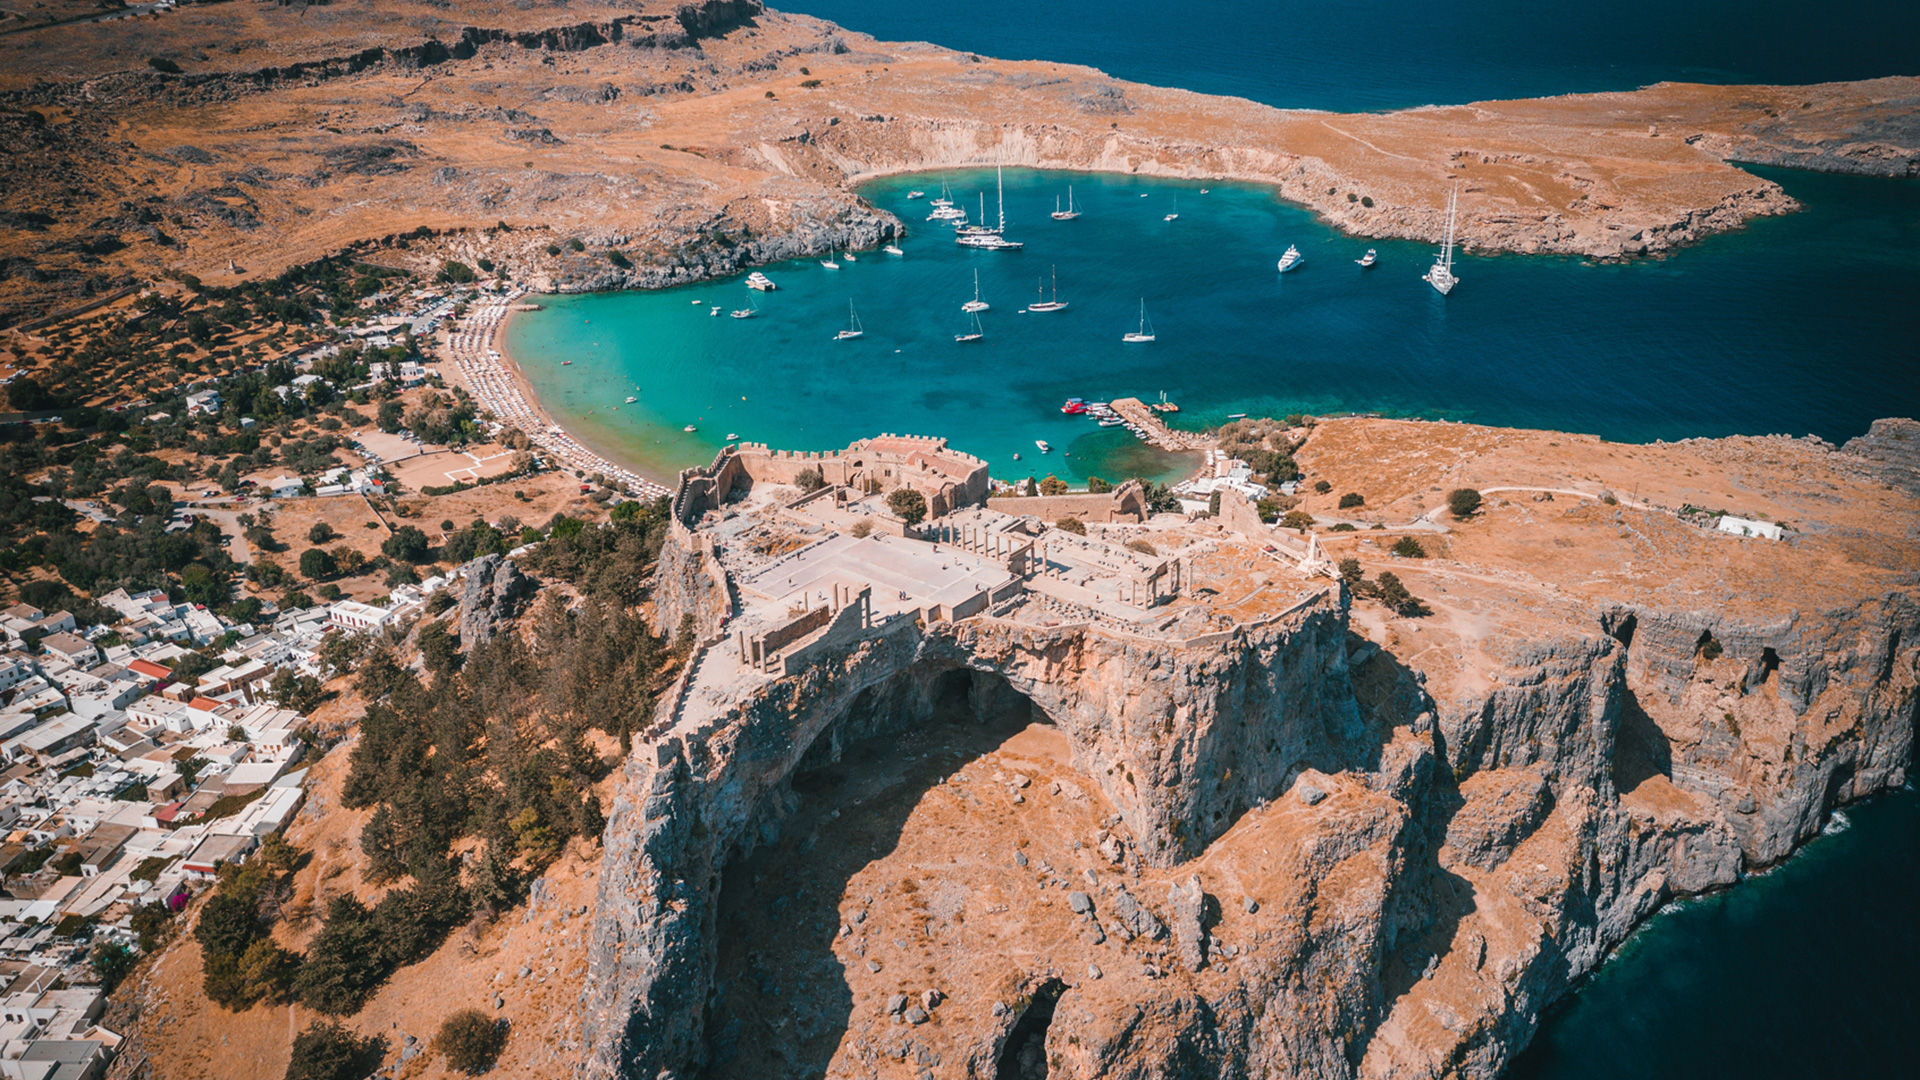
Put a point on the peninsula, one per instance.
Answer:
(231, 142)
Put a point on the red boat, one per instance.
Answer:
(1074, 405)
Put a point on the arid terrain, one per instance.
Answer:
(231, 141)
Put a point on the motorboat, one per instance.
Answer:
(1055, 304)
(1111, 421)
(1074, 405)
(987, 241)
(976, 304)
(631, 399)
(689, 427)
(1042, 444)
(849, 256)
(1069, 213)
(565, 363)
(893, 249)
(715, 312)
(1145, 333)
(733, 437)
(1440, 274)
(854, 329)
(974, 334)
(760, 281)
(916, 194)
(1365, 262)
(1291, 259)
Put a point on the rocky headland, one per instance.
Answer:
(694, 139)
(1273, 828)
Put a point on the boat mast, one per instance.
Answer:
(1000, 183)
(1453, 201)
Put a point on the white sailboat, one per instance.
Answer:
(1145, 333)
(974, 334)
(854, 329)
(1440, 274)
(975, 304)
(752, 309)
(893, 249)
(829, 263)
(1175, 216)
(1069, 213)
(1055, 304)
(990, 239)
(1291, 259)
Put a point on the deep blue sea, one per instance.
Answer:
(1388, 54)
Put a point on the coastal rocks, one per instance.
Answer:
(494, 593)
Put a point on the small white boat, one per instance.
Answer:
(916, 194)
(893, 249)
(974, 334)
(689, 427)
(1366, 261)
(747, 312)
(976, 304)
(715, 312)
(1069, 213)
(1055, 304)
(1042, 444)
(732, 437)
(696, 303)
(631, 399)
(1175, 216)
(829, 264)
(1291, 259)
(1440, 274)
(849, 256)
(854, 329)
(760, 281)
(1203, 191)
(1145, 333)
(1111, 421)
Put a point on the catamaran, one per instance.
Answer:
(1055, 304)
(975, 304)
(1145, 333)
(854, 329)
(1291, 259)
(1440, 274)
(1366, 261)
(974, 334)
(760, 281)
(1069, 213)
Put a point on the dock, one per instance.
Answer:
(1144, 419)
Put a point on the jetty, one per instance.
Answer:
(1143, 420)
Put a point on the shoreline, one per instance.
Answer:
(495, 381)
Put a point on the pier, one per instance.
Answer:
(1142, 417)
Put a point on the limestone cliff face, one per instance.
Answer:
(1441, 864)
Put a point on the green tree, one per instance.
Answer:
(1350, 572)
(808, 480)
(1052, 485)
(1408, 548)
(1297, 519)
(1463, 502)
(1097, 486)
(317, 564)
(329, 1051)
(458, 273)
(389, 416)
(908, 505)
(345, 961)
(1390, 591)
(407, 544)
(112, 962)
(321, 533)
(471, 1041)
(1352, 499)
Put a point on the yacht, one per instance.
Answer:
(1440, 274)
(990, 239)
(760, 281)
(1069, 213)
(974, 334)
(1042, 444)
(978, 228)
(631, 399)
(854, 329)
(946, 197)
(975, 304)
(893, 249)
(829, 264)
(1145, 333)
(916, 194)
(1291, 259)
(1074, 405)
(1055, 304)
(689, 427)
(1366, 261)
(987, 241)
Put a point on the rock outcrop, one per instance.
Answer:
(494, 592)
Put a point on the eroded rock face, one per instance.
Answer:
(495, 592)
(1329, 871)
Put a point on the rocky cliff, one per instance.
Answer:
(1317, 846)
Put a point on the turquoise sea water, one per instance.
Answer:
(1801, 324)
(1805, 972)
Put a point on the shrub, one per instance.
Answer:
(1408, 548)
(163, 65)
(1350, 571)
(809, 84)
(1366, 201)
(320, 533)
(328, 1051)
(1352, 499)
(1463, 502)
(553, 249)
(1052, 485)
(1269, 509)
(458, 273)
(577, 244)
(1097, 486)
(1389, 591)
(471, 1041)
(1344, 526)
(1142, 547)
(810, 480)
(909, 505)
(1322, 486)
(1072, 525)
(486, 265)
(862, 529)
(1297, 519)
(619, 259)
